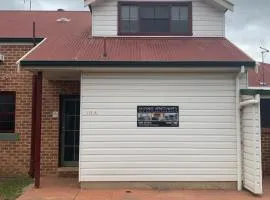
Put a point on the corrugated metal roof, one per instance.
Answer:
(72, 41)
(263, 75)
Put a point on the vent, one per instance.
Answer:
(63, 19)
(2, 57)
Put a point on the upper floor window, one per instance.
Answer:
(155, 18)
(7, 112)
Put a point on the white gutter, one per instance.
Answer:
(238, 129)
(251, 102)
(29, 52)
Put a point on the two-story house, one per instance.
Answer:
(132, 93)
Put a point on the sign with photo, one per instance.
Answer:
(158, 116)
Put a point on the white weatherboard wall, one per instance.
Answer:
(251, 141)
(207, 20)
(113, 148)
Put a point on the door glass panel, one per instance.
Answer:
(70, 131)
(69, 138)
(69, 154)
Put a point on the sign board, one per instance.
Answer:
(158, 116)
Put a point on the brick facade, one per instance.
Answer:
(15, 155)
(266, 151)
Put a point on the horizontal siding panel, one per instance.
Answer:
(173, 98)
(156, 171)
(208, 177)
(132, 112)
(199, 106)
(156, 151)
(112, 146)
(159, 158)
(133, 118)
(150, 93)
(126, 125)
(160, 138)
(159, 131)
(182, 144)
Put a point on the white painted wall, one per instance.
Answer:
(113, 148)
(207, 20)
(251, 150)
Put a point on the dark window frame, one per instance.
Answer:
(9, 113)
(171, 3)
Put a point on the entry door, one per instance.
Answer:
(70, 131)
(251, 145)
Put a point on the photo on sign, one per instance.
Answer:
(158, 116)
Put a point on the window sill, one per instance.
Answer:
(9, 137)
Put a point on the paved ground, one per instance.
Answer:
(68, 189)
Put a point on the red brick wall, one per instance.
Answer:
(15, 156)
(266, 151)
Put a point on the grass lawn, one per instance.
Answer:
(11, 188)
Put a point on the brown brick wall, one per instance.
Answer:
(266, 151)
(50, 126)
(15, 156)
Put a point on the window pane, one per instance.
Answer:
(134, 28)
(178, 26)
(134, 13)
(7, 112)
(175, 13)
(7, 98)
(147, 12)
(161, 26)
(124, 12)
(184, 13)
(147, 25)
(162, 12)
(7, 126)
(125, 26)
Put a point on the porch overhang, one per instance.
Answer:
(29, 64)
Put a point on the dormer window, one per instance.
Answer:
(155, 18)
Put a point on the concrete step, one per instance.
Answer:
(68, 172)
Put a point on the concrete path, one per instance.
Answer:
(68, 189)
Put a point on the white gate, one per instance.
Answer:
(251, 147)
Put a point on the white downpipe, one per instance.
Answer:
(238, 129)
(251, 102)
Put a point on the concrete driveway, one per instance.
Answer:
(68, 189)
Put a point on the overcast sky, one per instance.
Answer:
(248, 26)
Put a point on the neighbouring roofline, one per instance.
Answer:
(157, 64)
(226, 4)
(19, 40)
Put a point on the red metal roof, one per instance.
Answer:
(263, 75)
(72, 41)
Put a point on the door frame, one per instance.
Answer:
(61, 136)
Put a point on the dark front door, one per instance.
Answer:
(70, 130)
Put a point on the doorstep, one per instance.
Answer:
(68, 172)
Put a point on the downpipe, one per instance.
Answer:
(238, 129)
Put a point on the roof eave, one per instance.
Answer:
(157, 64)
(225, 4)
